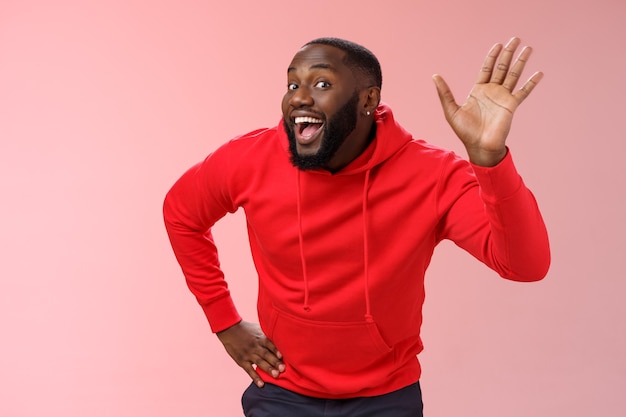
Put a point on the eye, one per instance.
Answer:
(292, 86)
(322, 84)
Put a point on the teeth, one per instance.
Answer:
(299, 120)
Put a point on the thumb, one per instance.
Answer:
(446, 97)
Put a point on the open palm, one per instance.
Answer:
(484, 120)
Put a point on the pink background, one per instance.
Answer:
(103, 104)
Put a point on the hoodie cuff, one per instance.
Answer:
(500, 181)
(221, 314)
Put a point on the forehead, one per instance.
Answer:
(317, 56)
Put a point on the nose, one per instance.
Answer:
(301, 97)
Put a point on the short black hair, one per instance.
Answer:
(357, 57)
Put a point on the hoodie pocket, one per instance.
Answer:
(335, 356)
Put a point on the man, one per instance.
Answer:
(344, 209)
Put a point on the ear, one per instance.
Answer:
(370, 99)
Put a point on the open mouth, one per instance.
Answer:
(307, 128)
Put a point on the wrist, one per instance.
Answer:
(486, 158)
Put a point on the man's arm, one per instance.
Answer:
(489, 212)
(195, 202)
(497, 218)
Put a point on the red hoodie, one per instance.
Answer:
(341, 257)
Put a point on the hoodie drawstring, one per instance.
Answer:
(306, 306)
(368, 312)
(300, 241)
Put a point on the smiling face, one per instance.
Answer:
(313, 142)
(323, 109)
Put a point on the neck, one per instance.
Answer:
(353, 146)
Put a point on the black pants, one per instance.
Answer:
(273, 401)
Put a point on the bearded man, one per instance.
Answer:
(344, 209)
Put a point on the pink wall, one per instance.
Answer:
(103, 104)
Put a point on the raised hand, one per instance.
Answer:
(484, 120)
(250, 348)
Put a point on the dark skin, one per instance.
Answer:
(319, 83)
(484, 120)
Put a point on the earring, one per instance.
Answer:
(367, 113)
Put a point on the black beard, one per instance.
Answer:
(335, 133)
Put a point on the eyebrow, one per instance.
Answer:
(315, 66)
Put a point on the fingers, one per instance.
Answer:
(514, 74)
(497, 68)
(487, 69)
(499, 73)
(270, 360)
(271, 347)
(250, 369)
(264, 359)
(526, 89)
(448, 103)
(251, 349)
(497, 65)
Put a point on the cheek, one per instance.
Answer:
(331, 102)
(285, 104)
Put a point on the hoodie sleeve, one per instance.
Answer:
(490, 213)
(192, 206)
